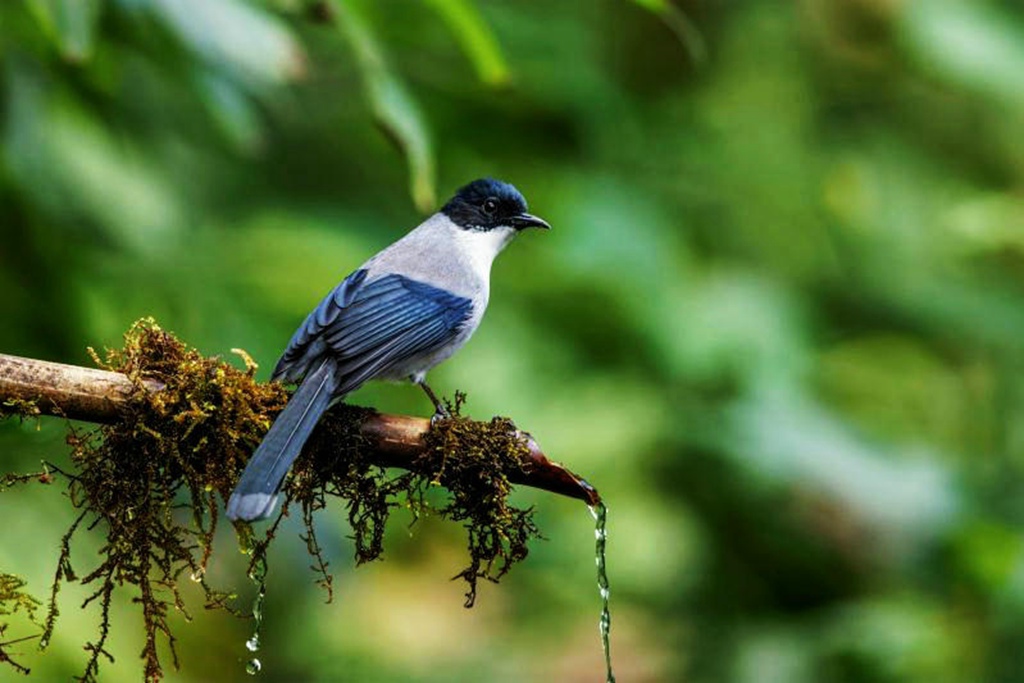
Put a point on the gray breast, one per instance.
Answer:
(432, 254)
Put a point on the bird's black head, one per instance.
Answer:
(486, 204)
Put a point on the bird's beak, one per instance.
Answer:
(527, 220)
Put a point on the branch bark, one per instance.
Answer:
(93, 395)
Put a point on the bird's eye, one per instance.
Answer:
(490, 206)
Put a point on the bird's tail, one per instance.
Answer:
(255, 495)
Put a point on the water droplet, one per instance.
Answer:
(258, 575)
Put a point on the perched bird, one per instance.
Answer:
(404, 311)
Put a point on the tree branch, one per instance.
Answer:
(97, 396)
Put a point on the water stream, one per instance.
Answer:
(600, 513)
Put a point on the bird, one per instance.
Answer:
(408, 308)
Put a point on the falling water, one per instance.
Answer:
(258, 575)
(600, 513)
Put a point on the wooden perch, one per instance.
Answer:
(97, 396)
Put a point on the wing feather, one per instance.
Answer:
(369, 327)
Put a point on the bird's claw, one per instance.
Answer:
(439, 414)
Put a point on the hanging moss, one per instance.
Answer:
(190, 441)
(474, 460)
(14, 600)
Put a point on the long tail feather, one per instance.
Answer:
(255, 495)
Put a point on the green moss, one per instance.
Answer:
(14, 600)
(473, 460)
(18, 407)
(190, 442)
(191, 439)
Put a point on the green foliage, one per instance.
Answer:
(394, 109)
(777, 321)
(476, 39)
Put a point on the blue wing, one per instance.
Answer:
(369, 327)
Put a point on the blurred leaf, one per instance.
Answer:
(675, 18)
(476, 39)
(70, 23)
(394, 108)
(897, 387)
(772, 654)
(71, 165)
(234, 37)
(732, 326)
(972, 45)
(289, 259)
(988, 223)
(902, 638)
(233, 112)
(905, 495)
(990, 553)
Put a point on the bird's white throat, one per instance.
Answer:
(480, 247)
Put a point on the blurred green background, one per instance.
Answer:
(778, 322)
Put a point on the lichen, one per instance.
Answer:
(190, 441)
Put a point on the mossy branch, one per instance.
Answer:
(177, 424)
(94, 395)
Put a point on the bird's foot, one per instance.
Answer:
(441, 413)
